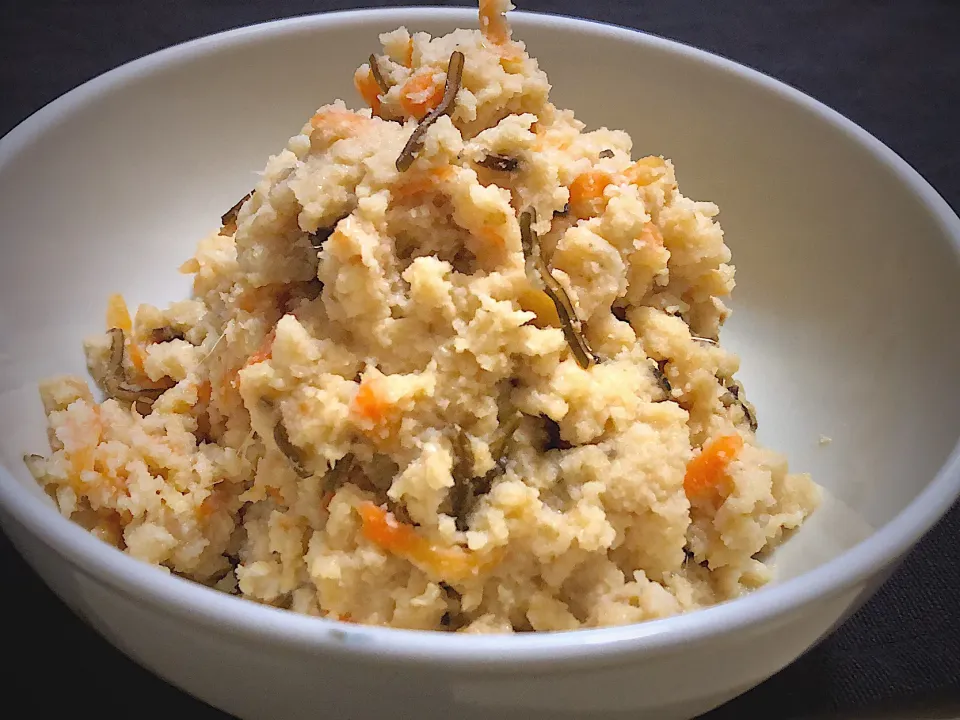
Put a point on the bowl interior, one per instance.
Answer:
(848, 284)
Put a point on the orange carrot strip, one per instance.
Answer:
(265, 351)
(204, 391)
(586, 193)
(369, 90)
(381, 528)
(493, 21)
(231, 379)
(333, 124)
(408, 55)
(421, 94)
(370, 405)
(118, 315)
(135, 353)
(707, 471)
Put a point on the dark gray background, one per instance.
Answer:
(893, 67)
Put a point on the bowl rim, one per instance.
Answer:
(184, 599)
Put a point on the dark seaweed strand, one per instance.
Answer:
(608, 153)
(165, 334)
(377, 75)
(449, 619)
(321, 235)
(289, 450)
(318, 238)
(498, 450)
(570, 323)
(507, 431)
(230, 216)
(735, 388)
(555, 439)
(450, 90)
(750, 415)
(466, 488)
(527, 238)
(500, 163)
(115, 381)
(660, 374)
(339, 472)
(463, 492)
(449, 589)
(400, 513)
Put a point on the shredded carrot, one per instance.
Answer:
(333, 124)
(265, 351)
(369, 90)
(336, 117)
(118, 315)
(80, 460)
(586, 193)
(346, 617)
(231, 379)
(408, 55)
(369, 405)
(211, 503)
(416, 184)
(421, 93)
(136, 355)
(493, 21)
(382, 529)
(707, 472)
(204, 391)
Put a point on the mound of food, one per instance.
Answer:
(453, 364)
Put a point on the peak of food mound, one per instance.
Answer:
(453, 364)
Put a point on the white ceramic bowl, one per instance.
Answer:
(846, 306)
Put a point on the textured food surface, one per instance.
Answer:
(373, 408)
